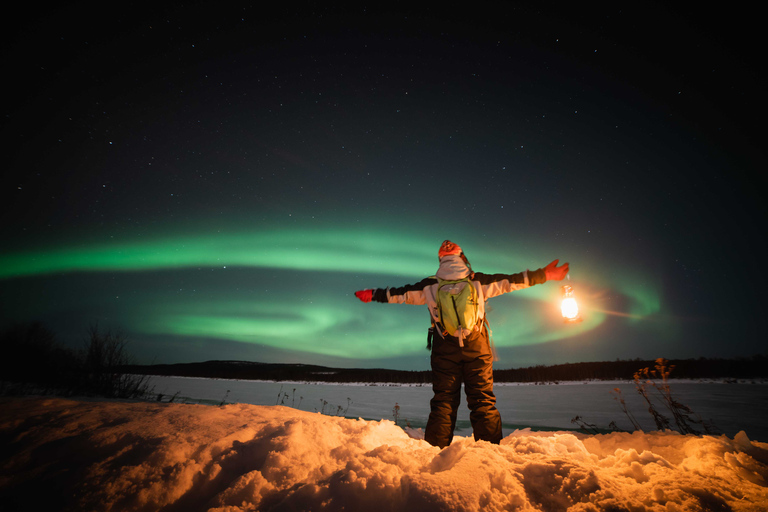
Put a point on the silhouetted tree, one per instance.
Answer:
(106, 358)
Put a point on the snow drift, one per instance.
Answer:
(80, 455)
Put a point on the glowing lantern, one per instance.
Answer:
(569, 308)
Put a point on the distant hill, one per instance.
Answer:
(752, 368)
(245, 370)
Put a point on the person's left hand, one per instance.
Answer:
(555, 273)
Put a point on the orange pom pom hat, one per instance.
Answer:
(447, 248)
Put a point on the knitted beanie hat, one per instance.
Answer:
(447, 248)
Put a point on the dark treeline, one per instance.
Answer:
(754, 367)
(702, 368)
(35, 363)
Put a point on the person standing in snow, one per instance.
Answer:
(464, 355)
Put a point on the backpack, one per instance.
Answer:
(457, 305)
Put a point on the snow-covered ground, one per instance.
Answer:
(150, 456)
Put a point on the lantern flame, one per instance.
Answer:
(568, 307)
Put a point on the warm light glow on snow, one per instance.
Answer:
(153, 456)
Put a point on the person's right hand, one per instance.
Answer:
(364, 295)
(555, 273)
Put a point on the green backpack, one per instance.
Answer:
(457, 304)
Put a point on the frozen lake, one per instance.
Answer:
(730, 407)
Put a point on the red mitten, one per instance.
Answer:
(364, 295)
(555, 273)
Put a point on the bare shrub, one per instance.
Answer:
(654, 388)
(105, 357)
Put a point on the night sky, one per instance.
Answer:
(215, 180)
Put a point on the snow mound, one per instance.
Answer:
(60, 454)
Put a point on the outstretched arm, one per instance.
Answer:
(408, 294)
(498, 284)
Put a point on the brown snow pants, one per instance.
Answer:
(472, 365)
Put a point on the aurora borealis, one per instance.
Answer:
(216, 182)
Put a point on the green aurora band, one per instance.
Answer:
(328, 321)
(301, 250)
